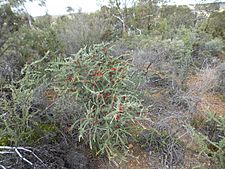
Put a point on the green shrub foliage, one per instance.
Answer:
(100, 84)
(211, 138)
(215, 24)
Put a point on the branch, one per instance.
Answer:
(2, 166)
(121, 20)
(15, 150)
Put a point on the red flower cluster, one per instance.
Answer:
(117, 117)
(99, 95)
(97, 73)
(114, 69)
(121, 108)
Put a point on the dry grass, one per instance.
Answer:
(212, 103)
(203, 82)
(201, 85)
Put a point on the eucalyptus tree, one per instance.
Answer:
(119, 10)
(20, 7)
(133, 14)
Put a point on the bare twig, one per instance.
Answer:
(2, 166)
(16, 150)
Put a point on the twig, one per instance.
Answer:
(23, 158)
(16, 149)
(2, 166)
(6, 152)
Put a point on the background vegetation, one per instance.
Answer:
(124, 84)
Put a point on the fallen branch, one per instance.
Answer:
(16, 150)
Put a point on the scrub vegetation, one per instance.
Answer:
(128, 86)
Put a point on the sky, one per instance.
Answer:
(58, 7)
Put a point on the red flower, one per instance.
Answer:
(138, 113)
(99, 95)
(70, 78)
(117, 117)
(121, 108)
(117, 126)
(114, 69)
(111, 73)
(106, 96)
(124, 98)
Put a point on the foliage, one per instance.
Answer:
(19, 3)
(215, 45)
(211, 138)
(172, 57)
(79, 30)
(91, 96)
(166, 145)
(221, 75)
(20, 123)
(176, 17)
(215, 25)
(32, 44)
(9, 22)
(100, 84)
(21, 43)
(44, 22)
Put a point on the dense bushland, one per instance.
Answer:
(111, 81)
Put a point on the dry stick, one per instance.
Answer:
(23, 158)
(24, 149)
(147, 69)
(6, 152)
(16, 149)
(2, 166)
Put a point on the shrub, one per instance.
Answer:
(25, 46)
(80, 30)
(100, 85)
(215, 24)
(32, 44)
(172, 57)
(221, 78)
(214, 45)
(169, 150)
(10, 24)
(22, 116)
(20, 121)
(210, 136)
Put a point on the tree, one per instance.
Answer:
(9, 23)
(134, 14)
(69, 10)
(178, 16)
(147, 11)
(19, 3)
(119, 10)
(21, 8)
